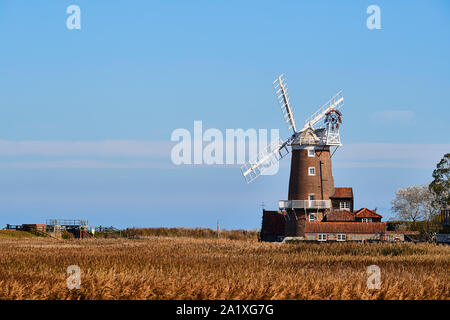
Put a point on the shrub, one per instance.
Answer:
(67, 235)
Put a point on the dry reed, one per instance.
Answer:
(188, 268)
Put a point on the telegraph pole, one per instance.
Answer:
(218, 229)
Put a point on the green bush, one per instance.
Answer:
(67, 235)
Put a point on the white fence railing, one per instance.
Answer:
(304, 204)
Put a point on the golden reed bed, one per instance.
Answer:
(186, 268)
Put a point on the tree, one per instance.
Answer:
(407, 203)
(431, 214)
(440, 186)
(418, 203)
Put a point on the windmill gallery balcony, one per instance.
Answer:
(304, 204)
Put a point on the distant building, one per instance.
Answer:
(344, 231)
(332, 225)
(273, 225)
(342, 199)
(34, 227)
(445, 216)
(444, 235)
(366, 215)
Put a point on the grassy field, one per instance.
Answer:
(8, 234)
(189, 268)
(198, 233)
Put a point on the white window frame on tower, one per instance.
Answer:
(312, 217)
(322, 237)
(341, 237)
(344, 205)
(313, 196)
(309, 171)
(311, 152)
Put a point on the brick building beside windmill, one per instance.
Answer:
(315, 210)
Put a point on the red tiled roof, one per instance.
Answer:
(340, 215)
(345, 227)
(342, 193)
(366, 213)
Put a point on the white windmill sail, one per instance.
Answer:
(265, 160)
(281, 91)
(308, 135)
(334, 103)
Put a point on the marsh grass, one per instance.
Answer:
(189, 268)
(197, 233)
(4, 234)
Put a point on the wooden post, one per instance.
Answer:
(218, 229)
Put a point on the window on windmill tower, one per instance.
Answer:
(311, 196)
(312, 217)
(311, 171)
(311, 153)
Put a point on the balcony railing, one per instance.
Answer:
(304, 204)
(66, 222)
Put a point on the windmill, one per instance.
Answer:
(311, 181)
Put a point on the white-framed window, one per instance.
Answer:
(311, 152)
(322, 237)
(366, 219)
(312, 217)
(311, 196)
(311, 171)
(344, 205)
(341, 237)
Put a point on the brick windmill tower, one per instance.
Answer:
(311, 182)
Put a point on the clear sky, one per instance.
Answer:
(86, 115)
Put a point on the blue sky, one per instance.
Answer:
(86, 115)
